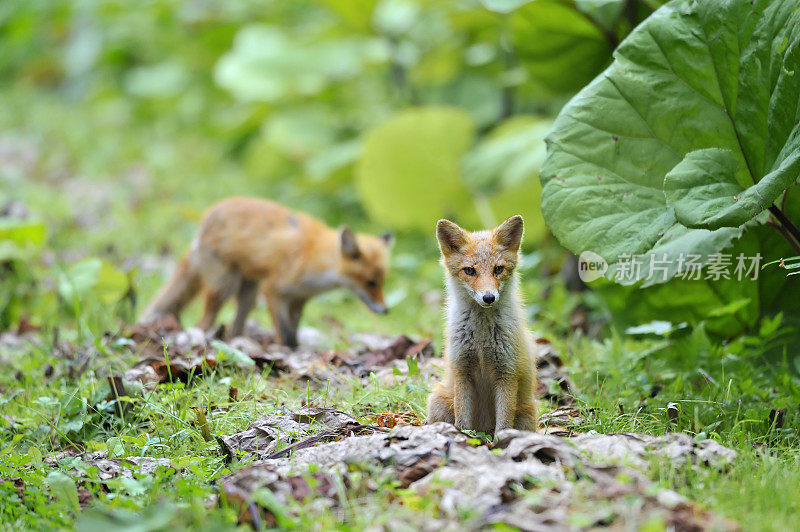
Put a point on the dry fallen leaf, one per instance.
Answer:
(190, 350)
(152, 370)
(401, 348)
(392, 419)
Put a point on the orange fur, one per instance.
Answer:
(490, 371)
(245, 245)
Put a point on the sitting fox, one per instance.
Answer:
(245, 245)
(490, 372)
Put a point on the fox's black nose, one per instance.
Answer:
(488, 298)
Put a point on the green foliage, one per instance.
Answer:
(93, 278)
(791, 264)
(20, 239)
(20, 243)
(63, 487)
(629, 153)
(415, 169)
(267, 64)
(705, 194)
(409, 171)
(501, 171)
(661, 155)
(231, 354)
(564, 49)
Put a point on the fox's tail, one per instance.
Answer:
(176, 294)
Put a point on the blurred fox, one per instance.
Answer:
(245, 245)
(490, 372)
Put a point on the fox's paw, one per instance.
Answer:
(440, 410)
(462, 425)
(526, 418)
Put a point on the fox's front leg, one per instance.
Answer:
(285, 317)
(505, 400)
(463, 400)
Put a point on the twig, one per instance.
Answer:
(610, 36)
(789, 231)
(328, 435)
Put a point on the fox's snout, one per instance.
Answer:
(373, 299)
(378, 308)
(486, 296)
(363, 267)
(372, 296)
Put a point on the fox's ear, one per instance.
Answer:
(349, 245)
(451, 237)
(509, 233)
(388, 238)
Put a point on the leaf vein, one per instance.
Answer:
(641, 117)
(679, 78)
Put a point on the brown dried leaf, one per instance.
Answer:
(399, 349)
(391, 419)
(673, 412)
(85, 497)
(419, 469)
(153, 333)
(152, 371)
(563, 415)
(17, 483)
(239, 489)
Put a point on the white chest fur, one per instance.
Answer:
(484, 337)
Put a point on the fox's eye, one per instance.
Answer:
(499, 269)
(372, 283)
(469, 270)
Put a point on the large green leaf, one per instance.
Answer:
(604, 12)
(418, 167)
(481, 95)
(63, 488)
(511, 154)
(93, 278)
(504, 6)
(704, 193)
(558, 46)
(561, 45)
(729, 305)
(504, 166)
(694, 76)
(409, 174)
(267, 64)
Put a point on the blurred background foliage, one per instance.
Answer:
(124, 120)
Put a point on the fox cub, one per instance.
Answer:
(490, 372)
(247, 244)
